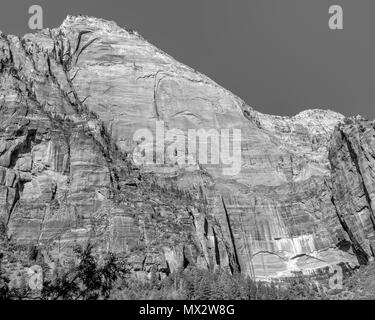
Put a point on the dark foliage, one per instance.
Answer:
(86, 281)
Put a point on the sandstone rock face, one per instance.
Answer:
(352, 157)
(72, 99)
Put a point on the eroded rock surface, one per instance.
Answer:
(352, 157)
(72, 99)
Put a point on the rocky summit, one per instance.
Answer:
(71, 99)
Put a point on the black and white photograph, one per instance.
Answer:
(165, 152)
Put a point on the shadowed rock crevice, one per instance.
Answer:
(236, 266)
(359, 252)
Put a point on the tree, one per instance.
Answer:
(4, 288)
(87, 280)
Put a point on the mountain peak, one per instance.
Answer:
(92, 23)
(319, 114)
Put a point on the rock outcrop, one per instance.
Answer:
(353, 192)
(71, 100)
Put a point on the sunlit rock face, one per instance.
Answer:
(72, 99)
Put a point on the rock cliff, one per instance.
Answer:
(71, 99)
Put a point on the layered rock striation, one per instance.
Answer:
(71, 99)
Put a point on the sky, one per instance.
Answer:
(278, 55)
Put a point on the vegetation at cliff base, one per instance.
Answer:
(110, 277)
